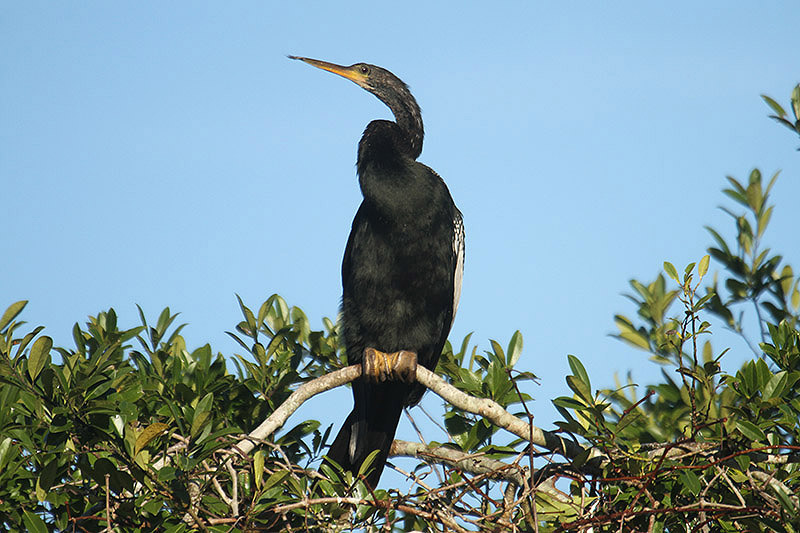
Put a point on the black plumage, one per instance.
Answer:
(401, 273)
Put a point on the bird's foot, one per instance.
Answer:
(379, 366)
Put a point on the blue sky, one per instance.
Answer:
(168, 154)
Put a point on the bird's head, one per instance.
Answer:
(373, 78)
(389, 89)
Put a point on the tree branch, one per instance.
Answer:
(500, 417)
(474, 463)
(293, 402)
(479, 406)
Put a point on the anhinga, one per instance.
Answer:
(401, 273)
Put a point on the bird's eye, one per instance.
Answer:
(364, 69)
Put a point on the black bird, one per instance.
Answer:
(401, 273)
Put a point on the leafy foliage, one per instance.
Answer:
(781, 116)
(130, 430)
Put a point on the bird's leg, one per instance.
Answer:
(405, 366)
(380, 366)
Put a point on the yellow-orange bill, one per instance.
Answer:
(350, 72)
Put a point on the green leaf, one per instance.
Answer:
(702, 301)
(569, 403)
(470, 381)
(48, 475)
(763, 221)
(147, 435)
(736, 185)
(258, 467)
(282, 307)
(736, 196)
(248, 315)
(33, 523)
(497, 349)
(720, 241)
(578, 370)
(580, 388)
(775, 386)
(275, 479)
(671, 272)
(744, 464)
(39, 356)
(263, 311)
(786, 279)
(496, 377)
(702, 267)
(763, 373)
(754, 196)
(166, 473)
(785, 122)
(776, 107)
(691, 481)
(630, 334)
(5, 457)
(201, 413)
(164, 320)
(751, 431)
(786, 501)
(514, 350)
(368, 463)
(11, 313)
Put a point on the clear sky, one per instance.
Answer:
(168, 154)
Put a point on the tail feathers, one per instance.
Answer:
(358, 438)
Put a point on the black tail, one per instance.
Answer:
(370, 426)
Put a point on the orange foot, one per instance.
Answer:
(379, 366)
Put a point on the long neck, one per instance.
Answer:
(408, 116)
(391, 181)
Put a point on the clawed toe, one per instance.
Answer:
(380, 366)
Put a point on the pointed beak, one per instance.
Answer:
(351, 73)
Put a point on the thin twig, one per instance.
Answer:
(108, 505)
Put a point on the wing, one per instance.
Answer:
(347, 265)
(458, 250)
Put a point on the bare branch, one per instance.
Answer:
(500, 417)
(293, 402)
(109, 527)
(235, 493)
(479, 406)
(777, 486)
(436, 515)
(474, 463)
